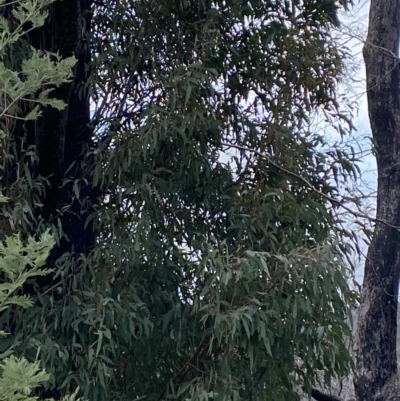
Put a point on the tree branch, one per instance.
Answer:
(320, 396)
(311, 186)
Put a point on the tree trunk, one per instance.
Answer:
(376, 335)
(63, 137)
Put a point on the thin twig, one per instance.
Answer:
(183, 371)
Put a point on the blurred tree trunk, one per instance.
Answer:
(376, 359)
(62, 138)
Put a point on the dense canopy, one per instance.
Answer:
(199, 256)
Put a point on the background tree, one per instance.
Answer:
(377, 363)
(199, 254)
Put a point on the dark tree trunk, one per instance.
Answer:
(63, 137)
(376, 336)
(62, 140)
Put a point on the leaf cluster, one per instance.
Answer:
(19, 262)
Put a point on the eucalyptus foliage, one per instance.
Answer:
(218, 270)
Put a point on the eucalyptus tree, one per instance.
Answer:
(376, 362)
(199, 254)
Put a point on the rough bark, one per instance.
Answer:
(376, 335)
